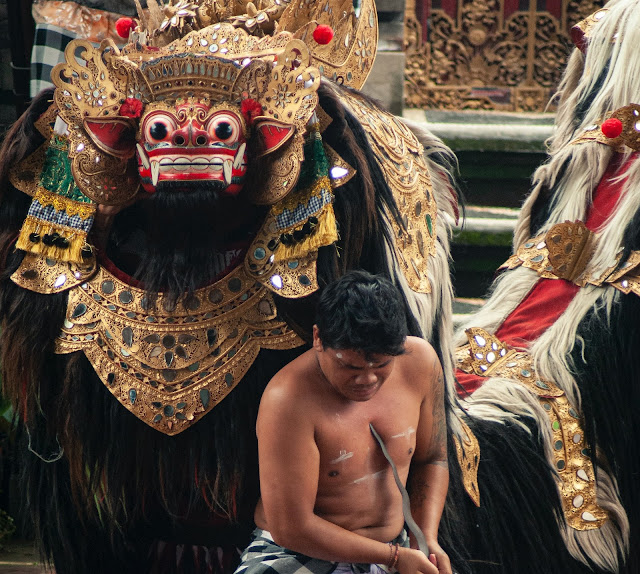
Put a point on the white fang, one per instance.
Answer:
(155, 172)
(237, 161)
(143, 156)
(227, 167)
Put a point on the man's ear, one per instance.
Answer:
(317, 342)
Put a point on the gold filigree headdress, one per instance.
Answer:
(347, 58)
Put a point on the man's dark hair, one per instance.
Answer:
(363, 312)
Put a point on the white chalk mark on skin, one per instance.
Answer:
(344, 455)
(406, 433)
(373, 476)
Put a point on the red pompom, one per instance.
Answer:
(250, 110)
(124, 26)
(323, 34)
(132, 108)
(611, 128)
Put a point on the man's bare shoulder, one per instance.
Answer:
(420, 363)
(291, 386)
(419, 353)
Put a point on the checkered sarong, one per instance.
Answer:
(264, 556)
(59, 22)
(48, 50)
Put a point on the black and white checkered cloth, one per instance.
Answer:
(48, 50)
(264, 556)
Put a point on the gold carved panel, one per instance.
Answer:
(503, 55)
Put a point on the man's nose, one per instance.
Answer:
(367, 378)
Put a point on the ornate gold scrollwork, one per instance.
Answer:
(170, 363)
(483, 59)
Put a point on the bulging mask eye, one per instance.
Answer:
(225, 127)
(158, 127)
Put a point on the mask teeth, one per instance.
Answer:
(155, 172)
(227, 167)
(237, 161)
(143, 156)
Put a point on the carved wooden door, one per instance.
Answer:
(505, 55)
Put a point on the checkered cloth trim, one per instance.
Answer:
(303, 211)
(50, 214)
(48, 50)
(264, 556)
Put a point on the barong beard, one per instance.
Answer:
(183, 238)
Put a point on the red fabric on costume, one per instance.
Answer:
(273, 135)
(117, 136)
(549, 298)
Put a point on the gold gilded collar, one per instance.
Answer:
(170, 364)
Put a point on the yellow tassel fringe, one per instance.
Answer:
(73, 253)
(325, 233)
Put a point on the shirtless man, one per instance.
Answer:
(328, 493)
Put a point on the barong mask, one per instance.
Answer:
(185, 110)
(192, 101)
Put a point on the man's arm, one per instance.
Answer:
(289, 473)
(429, 472)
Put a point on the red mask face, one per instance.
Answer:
(192, 142)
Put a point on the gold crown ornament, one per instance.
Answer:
(619, 130)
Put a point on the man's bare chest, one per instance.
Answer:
(348, 451)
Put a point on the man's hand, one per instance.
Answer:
(439, 557)
(412, 561)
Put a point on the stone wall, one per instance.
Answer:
(386, 81)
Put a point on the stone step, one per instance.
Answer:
(486, 131)
(497, 152)
(463, 307)
(480, 244)
(491, 226)
(20, 557)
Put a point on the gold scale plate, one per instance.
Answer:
(399, 155)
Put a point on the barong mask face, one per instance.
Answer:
(191, 113)
(192, 142)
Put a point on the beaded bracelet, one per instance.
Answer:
(391, 551)
(393, 557)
